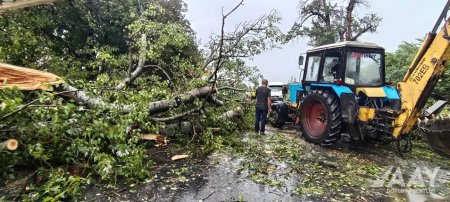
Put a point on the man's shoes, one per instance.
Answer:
(262, 133)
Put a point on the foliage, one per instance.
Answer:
(88, 38)
(60, 185)
(95, 45)
(226, 52)
(325, 22)
(397, 63)
(238, 75)
(314, 171)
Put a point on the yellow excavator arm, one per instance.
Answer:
(423, 74)
(416, 87)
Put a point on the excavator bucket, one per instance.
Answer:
(437, 133)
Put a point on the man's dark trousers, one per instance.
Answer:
(261, 117)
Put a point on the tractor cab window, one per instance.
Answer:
(312, 70)
(363, 69)
(331, 67)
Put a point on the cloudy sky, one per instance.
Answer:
(403, 20)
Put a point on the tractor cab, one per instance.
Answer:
(344, 91)
(351, 63)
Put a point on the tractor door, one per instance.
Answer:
(332, 66)
(312, 67)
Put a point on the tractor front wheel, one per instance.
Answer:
(321, 117)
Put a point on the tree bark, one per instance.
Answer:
(187, 98)
(30, 79)
(140, 67)
(80, 97)
(186, 127)
(153, 107)
(326, 17)
(231, 114)
(349, 20)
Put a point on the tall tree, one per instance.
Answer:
(397, 62)
(81, 39)
(325, 22)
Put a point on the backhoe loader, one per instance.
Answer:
(343, 90)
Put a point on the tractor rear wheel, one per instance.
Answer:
(321, 118)
(274, 118)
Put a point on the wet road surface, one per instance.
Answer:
(281, 166)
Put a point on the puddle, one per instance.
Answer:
(225, 182)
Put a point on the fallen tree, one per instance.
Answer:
(187, 128)
(138, 76)
(80, 97)
(30, 79)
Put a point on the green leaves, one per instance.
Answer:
(326, 22)
(60, 185)
(397, 63)
(94, 45)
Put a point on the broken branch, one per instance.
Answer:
(18, 4)
(172, 118)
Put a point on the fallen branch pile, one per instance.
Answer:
(30, 79)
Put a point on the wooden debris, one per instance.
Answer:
(26, 78)
(156, 138)
(178, 157)
(10, 145)
(18, 4)
(232, 113)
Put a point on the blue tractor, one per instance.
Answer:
(343, 84)
(343, 90)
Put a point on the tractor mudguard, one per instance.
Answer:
(349, 107)
(337, 89)
(348, 104)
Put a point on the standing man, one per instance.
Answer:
(263, 103)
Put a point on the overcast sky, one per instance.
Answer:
(403, 20)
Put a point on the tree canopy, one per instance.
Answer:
(131, 68)
(397, 63)
(325, 21)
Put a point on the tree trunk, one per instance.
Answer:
(349, 20)
(186, 127)
(326, 14)
(10, 145)
(153, 107)
(140, 67)
(231, 114)
(30, 79)
(187, 98)
(26, 78)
